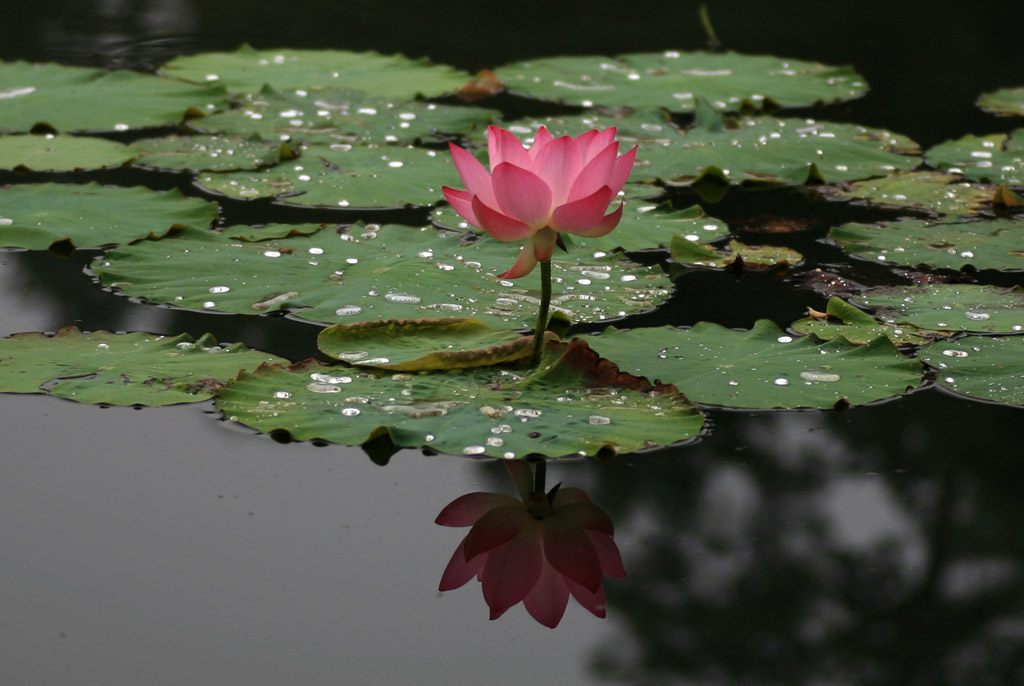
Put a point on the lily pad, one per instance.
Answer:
(372, 273)
(122, 369)
(61, 153)
(843, 319)
(370, 176)
(954, 243)
(763, 368)
(422, 344)
(949, 307)
(85, 99)
(247, 70)
(1008, 101)
(674, 80)
(210, 153)
(996, 158)
(930, 191)
(571, 405)
(36, 216)
(981, 367)
(687, 252)
(343, 118)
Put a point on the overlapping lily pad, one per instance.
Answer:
(996, 158)
(122, 369)
(763, 368)
(85, 99)
(954, 243)
(674, 80)
(36, 216)
(688, 252)
(986, 368)
(61, 153)
(366, 176)
(210, 153)
(572, 405)
(843, 319)
(342, 117)
(923, 190)
(247, 70)
(1009, 101)
(949, 307)
(372, 273)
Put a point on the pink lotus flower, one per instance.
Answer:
(558, 185)
(537, 550)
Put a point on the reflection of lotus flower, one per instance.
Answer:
(557, 185)
(538, 550)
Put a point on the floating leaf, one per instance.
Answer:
(35, 216)
(209, 153)
(1009, 101)
(996, 158)
(763, 368)
(674, 80)
(856, 326)
(949, 307)
(85, 99)
(951, 244)
(980, 367)
(687, 252)
(390, 272)
(122, 369)
(343, 118)
(247, 70)
(571, 405)
(921, 191)
(371, 176)
(61, 153)
(419, 344)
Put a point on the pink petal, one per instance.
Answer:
(512, 571)
(525, 263)
(459, 570)
(595, 174)
(544, 242)
(522, 476)
(467, 509)
(462, 202)
(593, 601)
(585, 516)
(476, 178)
(607, 223)
(598, 142)
(502, 227)
(546, 602)
(496, 527)
(584, 214)
(608, 552)
(622, 169)
(522, 194)
(542, 138)
(569, 550)
(503, 146)
(558, 164)
(569, 494)
(583, 142)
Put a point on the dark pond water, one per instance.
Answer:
(881, 545)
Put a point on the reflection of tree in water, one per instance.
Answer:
(869, 547)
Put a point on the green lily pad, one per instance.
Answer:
(372, 273)
(85, 99)
(210, 153)
(571, 405)
(980, 367)
(949, 307)
(122, 369)
(421, 344)
(674, 80)
(687, 252)
(763, 368)
(342, 118)
(843, 319)
(370, 176)
(996, 158)
(950, 244)
(61, 153)
(247, 70)
(1008, 101)
(938, 193)
(38, 215)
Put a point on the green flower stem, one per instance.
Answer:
(540, 476)
(542, 315)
